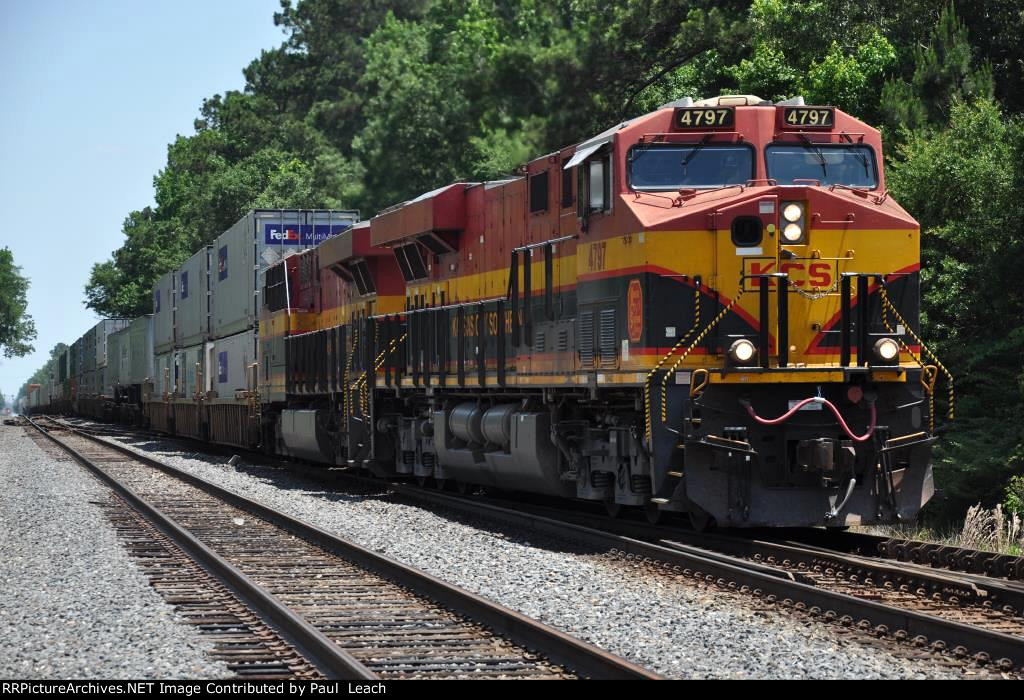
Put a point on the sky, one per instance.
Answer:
(92, 94)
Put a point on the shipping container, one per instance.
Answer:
(192, 300)
(242, 253)
(100, 333)
(163, 313)
(87, 384)
(88, 349)
(163, 375)
(75, 361)
(189, 370)
(117, 345)
(137, 364)
(231, 360)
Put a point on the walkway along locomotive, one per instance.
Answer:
(711, 308)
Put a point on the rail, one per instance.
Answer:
(556, 647)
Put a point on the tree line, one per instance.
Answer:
(365, 104)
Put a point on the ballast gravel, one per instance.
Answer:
(72, 602)
(678, 630)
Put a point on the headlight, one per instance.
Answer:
(887, 349)
(792, 212)
(792, 233)
(742, 351)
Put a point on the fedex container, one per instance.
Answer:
(163, 312)
(229, 361)
(192, 300)
(259, 239)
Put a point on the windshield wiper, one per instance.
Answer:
(810, 145)
(696, 149)
(860, 156)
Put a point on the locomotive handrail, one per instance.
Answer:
(850, 218)
(550, 241)
(888, 306)
(665, 358)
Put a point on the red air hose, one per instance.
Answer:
(817, 399)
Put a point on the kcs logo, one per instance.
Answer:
(808, 274)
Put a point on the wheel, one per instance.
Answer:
(653, 512)
(462, 487)
(422, 481)
(440, 484)
(613, 509)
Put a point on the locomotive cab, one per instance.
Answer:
(770, 286)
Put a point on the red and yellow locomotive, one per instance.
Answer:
(712, 309)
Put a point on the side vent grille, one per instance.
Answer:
(563, 341)
(538, 342)
(586, 340)
(608, 337)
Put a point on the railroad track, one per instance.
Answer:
(969, 615)
(345, 611)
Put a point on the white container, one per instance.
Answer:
(163, 313)
(230, 360)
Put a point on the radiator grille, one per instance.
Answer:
(608, 338)
(586, 339)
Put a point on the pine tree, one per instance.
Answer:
(943, 74)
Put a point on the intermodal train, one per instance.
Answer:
(710, 309)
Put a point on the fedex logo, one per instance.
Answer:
(275, 235)
(808, 274)
(301, 234)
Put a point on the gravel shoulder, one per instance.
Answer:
(72, 603)
(681, 631)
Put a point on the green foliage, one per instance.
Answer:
(17, 329)
(943, 73)
(964, 185)
(851, 80)
(1014, 500)
(832, 53)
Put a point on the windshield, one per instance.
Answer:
(828, 164)
(673, 167)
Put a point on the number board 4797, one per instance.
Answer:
(705, 117)
(808, 117)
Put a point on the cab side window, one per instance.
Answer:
(594, 185)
